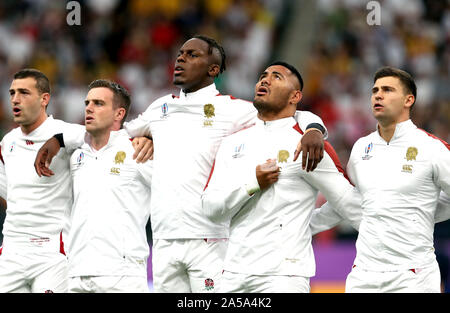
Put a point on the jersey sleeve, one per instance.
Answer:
(305, 118)
(441, 168)
(3, 182)
(245, 115)
(73, 135)
(443, 208)
(327, 216)
(223, 196)
(140, 126)
(146, 171)
(341, 196)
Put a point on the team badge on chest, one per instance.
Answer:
(283, 156)
(411, 154)
(120, 157)
(208, 109)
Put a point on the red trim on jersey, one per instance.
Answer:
(331, 152)
(333, 155)
(297, 128)
(173, 96)
(434, 137)
(1, 250)
(61, 244)
(210, 174)
(1, 156)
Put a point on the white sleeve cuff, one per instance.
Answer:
(252, 187)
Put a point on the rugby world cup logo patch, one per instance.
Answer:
(80, 158)
(238, 151)
(164, 110)
(368, 150)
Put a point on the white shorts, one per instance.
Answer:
(188, 265)
(29, 271)
(236, 282)
(108, 284)
(419, 280)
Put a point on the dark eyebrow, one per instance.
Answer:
(374, 89)
(94, 100)
(20, 90)
(190, 50)
(278, 73)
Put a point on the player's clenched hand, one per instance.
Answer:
(311, 145)
(267, 173)
(143, 149)
(44, 157)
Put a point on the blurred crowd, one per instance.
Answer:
(135, 43)
(414, 35)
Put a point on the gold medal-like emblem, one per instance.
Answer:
(411, 153)
(208, 109)
(120, 157)
(283, 155)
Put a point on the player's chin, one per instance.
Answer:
(260, 103)
(178, 80)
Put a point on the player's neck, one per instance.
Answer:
(386, 129)
(99, 140)
(267, 116)
(27, 129)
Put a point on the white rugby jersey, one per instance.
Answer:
(110, 210)
(400, 182)
(38, 208)
(187, 130)
(269, 231)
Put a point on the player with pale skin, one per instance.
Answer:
(108, 247)
(403, 174)
(36, 218)
(38, 208)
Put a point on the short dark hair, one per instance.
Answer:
(213, 44)
(292, 69)
(42, 82)
(121, 98)
(405, 78)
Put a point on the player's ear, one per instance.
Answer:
(120, 113)
(213, 70)
(296, 96)
(45, 99)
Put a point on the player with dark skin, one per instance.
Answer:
(196, 66)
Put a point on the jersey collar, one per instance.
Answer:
(208, 91)
(401, 129)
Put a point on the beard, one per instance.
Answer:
(261, 105)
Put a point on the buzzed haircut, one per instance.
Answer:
(405, 78)
(292, 69)
(213, 44)
(121, 98)
(42, 82)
